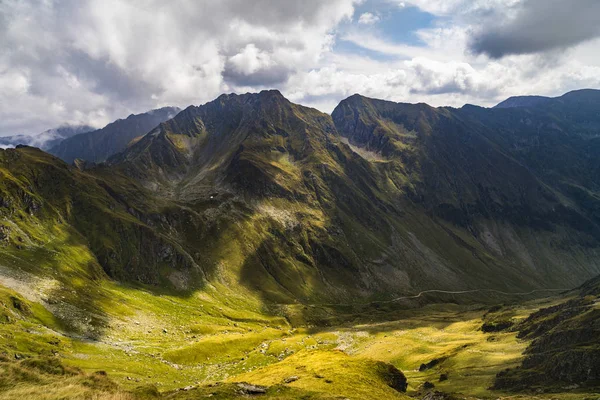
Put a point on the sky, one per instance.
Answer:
(93, 61)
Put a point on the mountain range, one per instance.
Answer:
(251, 246)
(378, 199)
(70, 142)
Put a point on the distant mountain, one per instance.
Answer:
(46, 139)
(98, 145)
(586, 97)
(522, 101)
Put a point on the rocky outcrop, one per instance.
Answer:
(392, 376)
(565, 347)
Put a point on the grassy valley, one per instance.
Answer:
(161, 345)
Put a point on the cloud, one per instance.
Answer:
(368, 18)
(434, 77)
(539, 26)
(442, 43)
(459, 8)
(46, 139)
(92, 61)
(255, 67)
(417, 80)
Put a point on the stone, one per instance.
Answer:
(252, 389)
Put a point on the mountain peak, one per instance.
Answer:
(271, 93)
(226, 138)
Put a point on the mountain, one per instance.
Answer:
(379, 199)
(585, 97)
(98, 145)
(261, 172)
(490, 180)
(46, 139)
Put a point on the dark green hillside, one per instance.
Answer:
(565, 347)
(45, 200)
(461, 172)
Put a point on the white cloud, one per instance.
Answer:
(92, 61)
(14, 82)
(456, 8)
(417, 80)
(368, 18)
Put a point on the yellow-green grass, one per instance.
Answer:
(331, 372)
(173, 341)
(221, 347)
(47, 379)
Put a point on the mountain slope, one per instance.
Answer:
(565, 350)
(557, 141)
(48, 205)
(98, 145)
(463, 171)
(46, 139)
(258, 194)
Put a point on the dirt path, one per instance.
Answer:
(416, 296)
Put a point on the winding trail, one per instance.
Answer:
(416, 296)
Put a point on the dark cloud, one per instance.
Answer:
(108, 79)
(266, 77)
(539, 26)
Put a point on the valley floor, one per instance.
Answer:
(160, 345)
